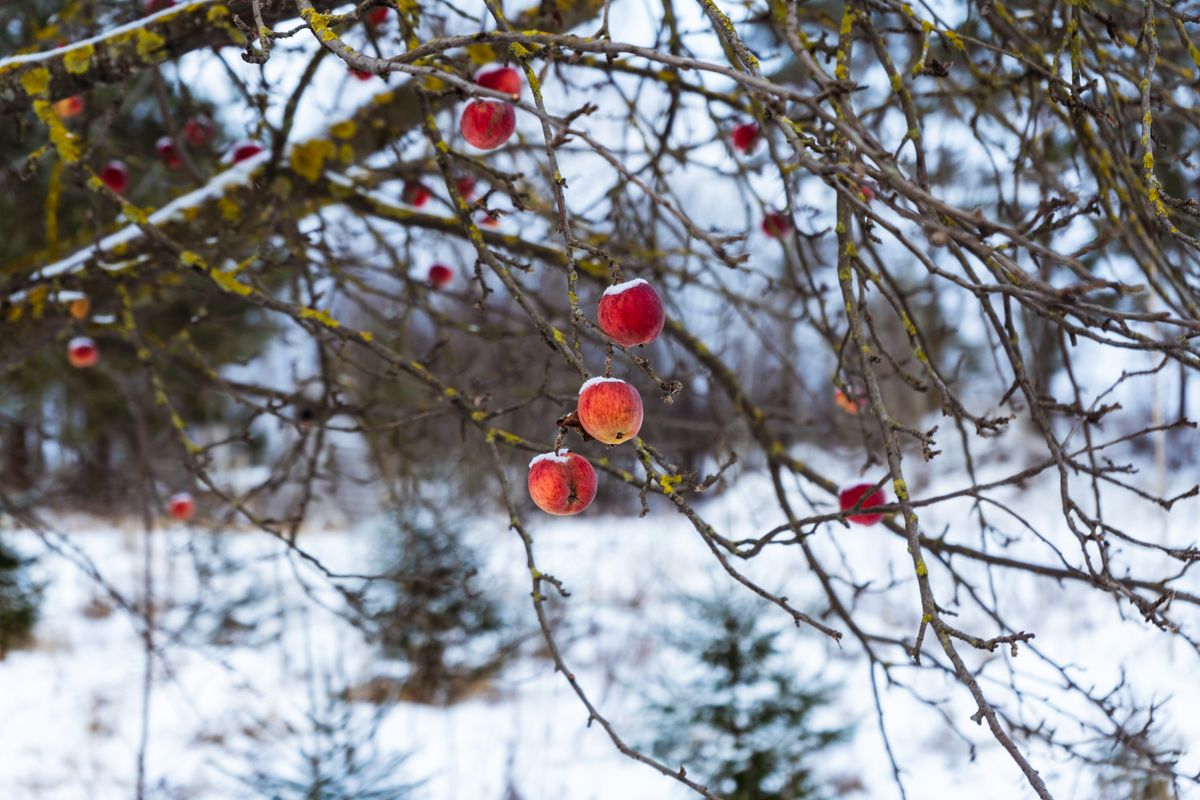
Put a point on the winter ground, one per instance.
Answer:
(70, 709)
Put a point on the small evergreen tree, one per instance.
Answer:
(428, 611)
(20, 600)
(743, 721)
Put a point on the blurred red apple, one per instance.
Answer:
(562, 483)
(466, 187)
(440, 276)
(610, 410)
(165, 147)
(848, 498)
(82, 352)
(378, 16)
(631, 313)
(415, 194)
(199, 130)
(115, 175)
(244, 150)
(776, 225)
(154, 6)
(361, 75)
(501, 79)
(746, 136)
(487, 124)
(488, 221)
(181, 506)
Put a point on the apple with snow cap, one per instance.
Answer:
(181, 506)
(82, 352)
(631, 313)
(849, 497)
(562, 482)
(165, 147)
(115, 175)
(487, 124)
(610, 410)
(243, 150)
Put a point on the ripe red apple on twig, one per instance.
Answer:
(610, 410)
(631, 313)
(562, 482)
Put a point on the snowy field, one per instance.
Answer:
(70, 709)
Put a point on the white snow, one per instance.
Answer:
(593, 381)
(561, 456)
(624, 287)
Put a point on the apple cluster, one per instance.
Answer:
(609, 409)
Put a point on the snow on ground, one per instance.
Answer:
(70, 709)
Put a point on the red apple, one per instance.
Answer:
(82, 352)
(244, 150)
(466, 187)
(440, 276)
(115, 175)
(487, 124)
(154, 6)
(501, 79)
(868, 192)
(562, 482)
(776, 224)
(361, 75)
(69, 106)
(415, 194)
(199, 130)
(631, 313)
(378, 16)
(181, 506)
(165, 147)
(745, 136)
(610, 410)
(488, 221)
(849, 497)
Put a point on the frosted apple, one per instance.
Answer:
(562, 482)
(244, 150)
(849, 497)
(440, 276)
(631, 313)
(165, 147)
(82, 352)
(487, 124)
(776, 224)
(746, 136)
(115, 175)
(181, 506)
(501, 79)
(610, 410)
(415, 194)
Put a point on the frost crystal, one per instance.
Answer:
(623, 287)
